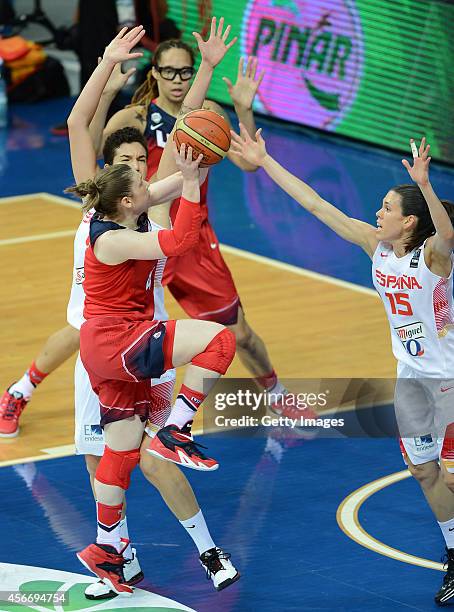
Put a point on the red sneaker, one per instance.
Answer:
(11, 406)
(288, 407)
(171, 444)
(105, 562)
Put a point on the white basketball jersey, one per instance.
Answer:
(419, 306)
(74, 313)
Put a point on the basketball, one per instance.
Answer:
(206, 132)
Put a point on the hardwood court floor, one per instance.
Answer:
(313, 326)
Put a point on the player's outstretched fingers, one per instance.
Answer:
(220, 27)
(226, 33)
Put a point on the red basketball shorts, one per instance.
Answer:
(201, 282)
(121, 357)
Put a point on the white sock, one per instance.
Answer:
(112, 538)
(278, 389)
(447, 529)
(127, 553)
(180, 414)
(24, 386)
(198, 530)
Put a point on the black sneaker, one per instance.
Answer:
(446, 592)
(219, 568)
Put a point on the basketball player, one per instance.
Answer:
(128, 146)
(219, 351)
(411, 251)
(200, 280)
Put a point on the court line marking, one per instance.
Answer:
(224, 248)
(347, 516)
(37, 237)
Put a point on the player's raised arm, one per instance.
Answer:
(242, 94)
(212, 52)
(83, 154)
(254, 151)
(131, 118)
(442, 243)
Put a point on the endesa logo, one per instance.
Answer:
(397, 282)
(410, 336)
(313, 56)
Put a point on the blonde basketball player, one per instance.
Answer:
(128, 146)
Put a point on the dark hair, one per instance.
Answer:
(103, 193)
(412, 202)
(116, 139)
(148, 91)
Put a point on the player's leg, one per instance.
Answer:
(179, 496)
(123, 436)
(208, 349)
(216, 299)
(443, 396)
(57, 349)
(89, 441)
(254, 355)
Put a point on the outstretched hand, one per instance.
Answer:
(214, 49)
(253, 151)
(246, 86)
(119, 50)
(419, 172)
(117, 79)
(188, 166)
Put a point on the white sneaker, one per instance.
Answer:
(132, 573)
(219, 568)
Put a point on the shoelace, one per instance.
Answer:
(213, 563)
(192, 448)
(11, 409)
(189, 446)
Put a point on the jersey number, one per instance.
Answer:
(400, 303)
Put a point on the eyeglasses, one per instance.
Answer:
(169, 72)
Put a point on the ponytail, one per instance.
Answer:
(106, 190)
(89, 192)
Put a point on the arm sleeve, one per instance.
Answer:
(185, 232)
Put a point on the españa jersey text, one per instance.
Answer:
(419, 306)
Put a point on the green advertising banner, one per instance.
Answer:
(375, 70)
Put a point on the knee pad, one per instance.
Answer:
(115, 467)
(219, 353)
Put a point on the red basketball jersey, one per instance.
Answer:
(123, 290)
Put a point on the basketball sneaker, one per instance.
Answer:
(288, 407)
(105, 562)
(219, 568)
(133, 575)
(446, 592)
(171, 444)
(11, 406)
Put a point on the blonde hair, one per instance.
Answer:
(105, 190)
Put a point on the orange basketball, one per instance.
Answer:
(206, 132)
